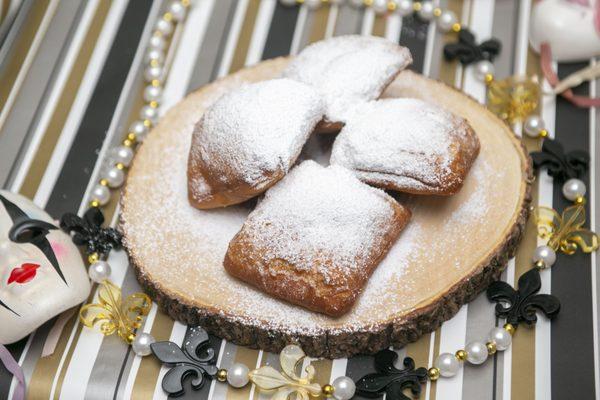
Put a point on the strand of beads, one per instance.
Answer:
(447, 364)
(156, 67)
(155, 71)
(446, 20)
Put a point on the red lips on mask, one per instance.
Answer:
(23, 274)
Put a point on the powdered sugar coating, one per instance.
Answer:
(404, 143)
(252, 133)
(348, 70)
(323, 220)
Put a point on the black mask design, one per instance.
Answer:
(32, 231)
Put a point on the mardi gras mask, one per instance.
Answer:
(570, 27)
(41, 270)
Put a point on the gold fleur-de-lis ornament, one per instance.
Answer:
(565, 232)
(113, 314)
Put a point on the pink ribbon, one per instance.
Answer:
(552, 78)
(14, 368)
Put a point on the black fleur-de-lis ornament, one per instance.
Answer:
(561, 166)
(194, 359)
(467, 51)
(390, 380)
(521, 305)
(88, 232)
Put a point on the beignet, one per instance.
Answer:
(316, 237)
(407, 145)
(248, 139)
(347, 71)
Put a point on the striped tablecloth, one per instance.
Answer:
(70, 84)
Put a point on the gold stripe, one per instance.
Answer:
(44, 152)
(323, 371)
(379, 26)
(21, 48)
(247, 357)
(319, 24)
(4, 10)
(241, 50)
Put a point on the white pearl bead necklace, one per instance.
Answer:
(154, 73)
(426, 10)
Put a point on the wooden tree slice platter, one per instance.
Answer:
(451, 250)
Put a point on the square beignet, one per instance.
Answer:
(248, 139)
(315, 238)
(347, 71)
(407, 145)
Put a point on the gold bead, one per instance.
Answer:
(130, 338)
(131, 136)
(368, 3)
(543, 133)
(185, 3)
(540, 264)
(167, 16)
(491, 347)
(155, 82)
(580, 200)
(391, 6)
(437, 12)
(153, 104)
(489, 78)
(154, 63)
(433, 373)
(222, 375)
(94, 203)
(456, 27)
(103, 182)
(127, 143)
(147, 123)
(327, 390)
(509, 328)
(120, 166)
(461, 355)
(417, 6)
(92, 258)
